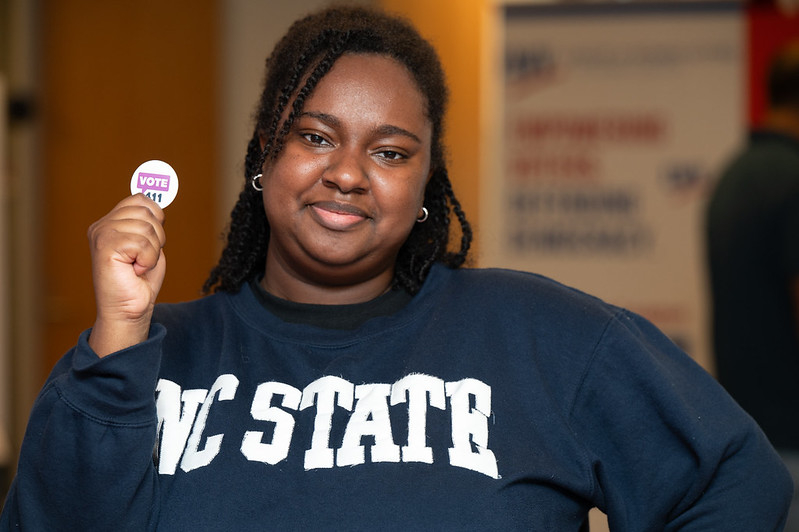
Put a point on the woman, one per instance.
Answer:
(347, 374)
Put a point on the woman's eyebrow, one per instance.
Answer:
(324, 117)
(389, 130)
(384, 130)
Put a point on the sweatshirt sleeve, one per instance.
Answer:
(86, 461)
(671, 450)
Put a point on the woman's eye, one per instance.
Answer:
(391, 155)
(313, 138)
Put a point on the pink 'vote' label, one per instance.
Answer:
(153, 182)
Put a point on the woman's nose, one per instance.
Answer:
(346, 171)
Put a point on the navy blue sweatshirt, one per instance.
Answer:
(494, 400)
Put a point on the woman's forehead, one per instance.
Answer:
(364, 58)
(373, 85)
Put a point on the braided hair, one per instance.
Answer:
(298, 62)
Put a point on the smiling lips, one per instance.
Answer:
(337, 216)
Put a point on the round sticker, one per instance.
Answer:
(156, 180)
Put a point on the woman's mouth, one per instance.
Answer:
(337, 216)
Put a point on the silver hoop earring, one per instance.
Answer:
(424, 216)
(256, 183)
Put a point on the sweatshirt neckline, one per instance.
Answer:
(250, 309)
(339, 317)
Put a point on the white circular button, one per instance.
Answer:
(156, 180)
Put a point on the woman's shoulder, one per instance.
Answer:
(196, 331)
(522, 289)
(193, 313)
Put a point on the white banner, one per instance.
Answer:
(615, 118)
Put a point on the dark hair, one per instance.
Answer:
(783, 80)
(306, 54)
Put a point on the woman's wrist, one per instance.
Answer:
(108, 337)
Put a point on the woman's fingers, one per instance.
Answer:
(128, 268)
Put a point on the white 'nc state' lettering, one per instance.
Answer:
(182, 417)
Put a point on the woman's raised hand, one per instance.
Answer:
(128, 267)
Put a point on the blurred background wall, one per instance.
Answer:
(96, 88)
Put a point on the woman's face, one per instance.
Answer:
(346, 190)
